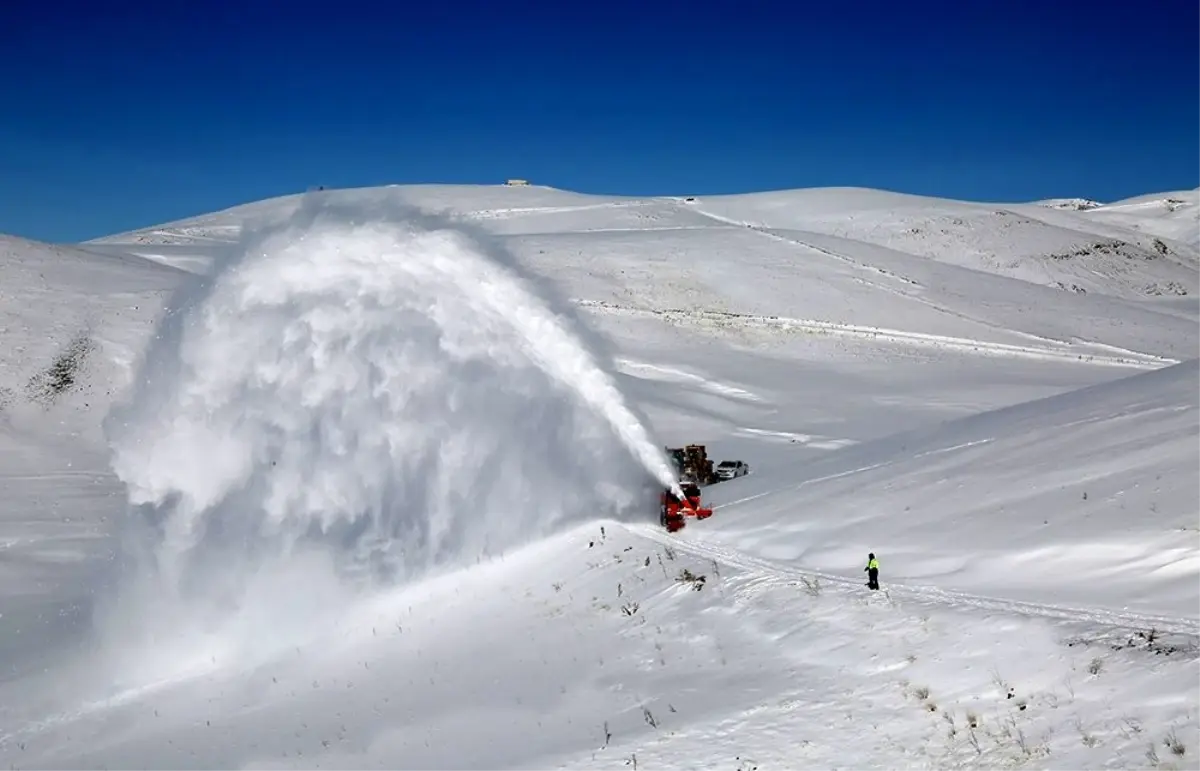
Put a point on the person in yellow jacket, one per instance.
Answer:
(872, 570)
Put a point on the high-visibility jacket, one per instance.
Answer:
(873, 564)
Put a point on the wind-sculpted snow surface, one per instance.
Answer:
(370, 397)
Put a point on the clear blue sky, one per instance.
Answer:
(116, 116)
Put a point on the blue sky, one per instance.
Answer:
(125, 115)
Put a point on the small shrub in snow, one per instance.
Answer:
(63, 374)
(812, 586)
(1089, 740)
(922, 693)
(1095, 666)
(688, 577)
(630, 608)
(1150, 642)
(1174, 745)
(973, 738)
(1014, 732)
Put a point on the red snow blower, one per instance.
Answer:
(673, 510)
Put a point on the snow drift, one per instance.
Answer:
(367, 395)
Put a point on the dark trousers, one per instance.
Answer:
(873, 578)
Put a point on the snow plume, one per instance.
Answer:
(364, 395)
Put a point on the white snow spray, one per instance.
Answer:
(365, 395)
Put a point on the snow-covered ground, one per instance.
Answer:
(1169, 215)
(393, 505)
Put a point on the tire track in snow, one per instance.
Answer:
(1112, 621)
(882, 334)
(648, 371)
(766, 232)
(517, 211)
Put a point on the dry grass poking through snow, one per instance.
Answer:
(900, 685)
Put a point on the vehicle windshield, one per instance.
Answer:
(726, 464)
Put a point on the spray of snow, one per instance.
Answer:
(360, 397)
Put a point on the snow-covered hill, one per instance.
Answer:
(1174, 216)
(72, 324)
(1075, 251)
(51, 293)
(332, 432)
(1091, 488)
(1140, 247)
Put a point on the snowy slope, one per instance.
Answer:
(1174, 216)
(366, 398)
(671, 253)
(51, 292)
(1151, 252)
(1094, 492)
(663, 279)
(71, 327)
(1064, 249)
(72, 324)
(596, 650)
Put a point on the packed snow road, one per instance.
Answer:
(1167, 634)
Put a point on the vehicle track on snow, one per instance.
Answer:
(1103, 626)
(517, 211)
(881, 334)
(767, 232)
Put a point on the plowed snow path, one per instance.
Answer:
(1086, 353)
(1093, 624)
(858, 264)
(517, 211)
(910, 287)
(650, 371)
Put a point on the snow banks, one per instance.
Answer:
(367, 395)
